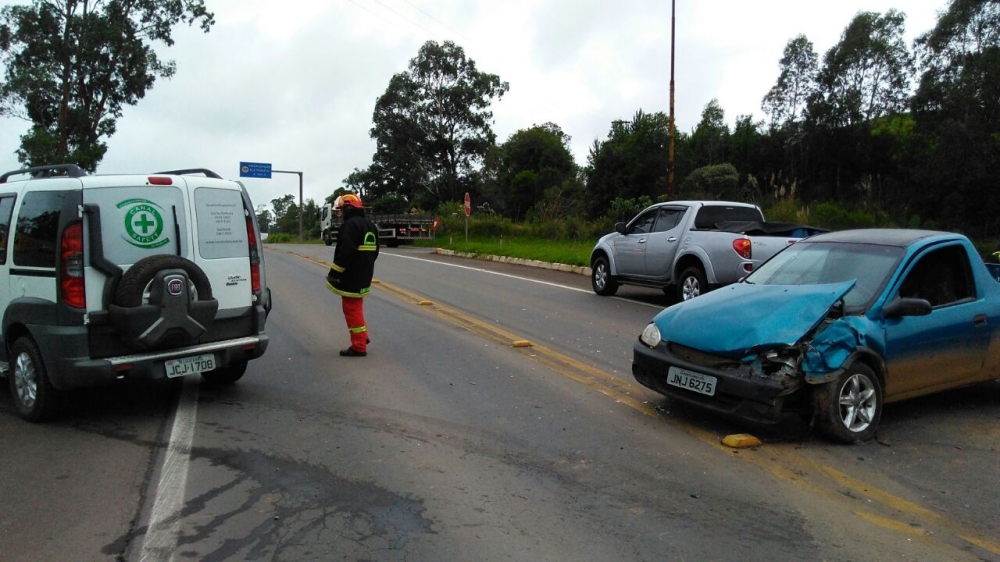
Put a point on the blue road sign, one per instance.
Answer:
(255, 170)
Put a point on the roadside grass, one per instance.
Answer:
(569, 252)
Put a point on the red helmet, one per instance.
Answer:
(348, 199)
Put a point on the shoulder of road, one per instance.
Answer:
(578, 269)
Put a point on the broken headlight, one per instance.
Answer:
(651, 335)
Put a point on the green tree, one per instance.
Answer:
(719, 181)
(711, 136)
(866, 75)
(632, 162)
(433, 125)
(957, 119)
(745, 143)
(72, 65)
(286, 214)
(785, 102)
(532, 162)
(264, 219)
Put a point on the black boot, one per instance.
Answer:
(351, 352)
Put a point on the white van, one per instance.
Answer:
(111, 277)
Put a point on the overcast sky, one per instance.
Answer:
(293, 83)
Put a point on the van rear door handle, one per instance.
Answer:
(979, 320)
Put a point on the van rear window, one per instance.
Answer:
(37, 226)
(222, 228)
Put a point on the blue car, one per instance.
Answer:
(832, 327)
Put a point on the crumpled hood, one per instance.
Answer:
(737, 319)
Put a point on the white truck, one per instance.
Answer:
(689, 247)
(393, 229)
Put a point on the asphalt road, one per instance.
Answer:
(495, 418)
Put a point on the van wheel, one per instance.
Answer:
(849, 408)
(34, 396)
(600, 278)
(225, 375)
(691, 284)
(133, 289)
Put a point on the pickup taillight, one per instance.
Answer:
(742, 247)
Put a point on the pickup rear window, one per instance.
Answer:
(710, 215)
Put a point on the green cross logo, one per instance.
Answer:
(143, 223)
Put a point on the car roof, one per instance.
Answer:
(707, 204)
(901, 237)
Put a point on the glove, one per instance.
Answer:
(333, 277)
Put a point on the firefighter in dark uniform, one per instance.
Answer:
(353, 268)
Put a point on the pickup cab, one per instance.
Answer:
(688, 247)
(833, 327)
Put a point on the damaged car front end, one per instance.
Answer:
(756, 349)
(722, 356)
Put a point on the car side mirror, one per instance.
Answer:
(906, 307)
(620, 227)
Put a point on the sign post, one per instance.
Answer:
(468, 211)
(264, 171)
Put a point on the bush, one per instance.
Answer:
(835, 217)
(281, 238)
(787, 210)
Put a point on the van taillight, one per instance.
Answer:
(254, 256)
(71, 267)
(742, 247)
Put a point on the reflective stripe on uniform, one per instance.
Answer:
(364, 292)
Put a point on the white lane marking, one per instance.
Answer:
(160, 542)
(557, 285)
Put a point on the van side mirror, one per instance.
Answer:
(906, 307)
(620, 227)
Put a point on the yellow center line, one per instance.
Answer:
(793, 468)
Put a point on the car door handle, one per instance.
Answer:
(642, 240)
(672, 239)
(979, 320)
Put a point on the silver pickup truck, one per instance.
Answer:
(689, 247)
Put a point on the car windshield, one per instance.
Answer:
(817, 263)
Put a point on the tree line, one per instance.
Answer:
(904, 135)
(873, 132)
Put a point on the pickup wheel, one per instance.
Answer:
(601, 279)
(849, 408)
(34, 396)
(691, 283)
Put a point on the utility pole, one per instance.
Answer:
(670, 145)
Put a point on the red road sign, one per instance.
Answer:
(468, 204)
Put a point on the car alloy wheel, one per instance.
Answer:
(857, 403)
(25, 380)
(34, 396)
(692, 283)
(600, 278)
(849, 408)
